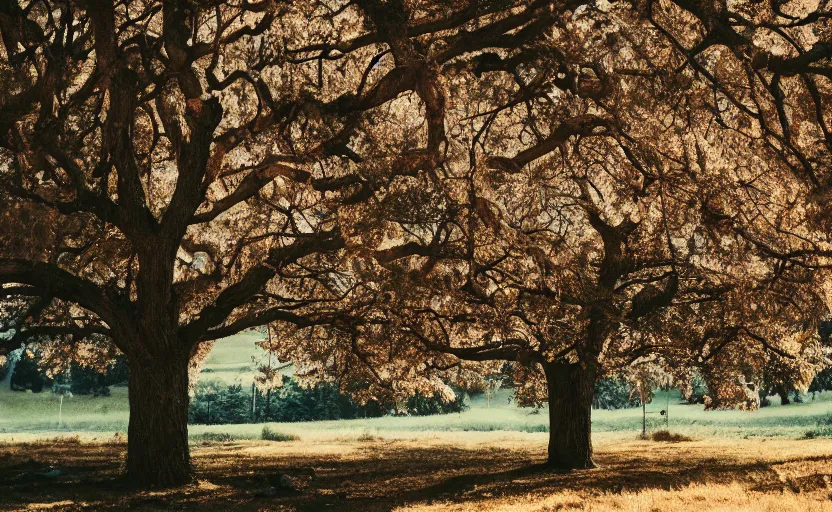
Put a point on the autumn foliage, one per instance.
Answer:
(414, 192)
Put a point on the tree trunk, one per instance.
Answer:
(157, 438)
(784, 395)
(571, 389)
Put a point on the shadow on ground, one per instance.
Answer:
(374, 476)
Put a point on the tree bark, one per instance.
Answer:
(157, 437)
(784, 395)
(571, 388)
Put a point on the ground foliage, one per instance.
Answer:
(217, 403)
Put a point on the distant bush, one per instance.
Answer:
(542, 427)
(822, 382)
(270, 435)
(27, 375)
(84, 380)
(818, 432)
(420, 405)
(63, 440)
(77, 379)
(823, 429)
(697, 391)
(218, 403)
(293, 402)
(613, 393)
(324, 401)
(87, 381)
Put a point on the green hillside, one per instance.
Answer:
(235, 359)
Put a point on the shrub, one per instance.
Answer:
(822, 382)
(118, 373)
(669, 437)
(824, 428)
(77, 379)
(543, 427)
(367, 437)
(27, 375)
(293, 402)
(64, 440)
(613, 393)
(219, 437)
(697, 391)
(270, 435)
(217, 403)
(84, 380)
(420, 405)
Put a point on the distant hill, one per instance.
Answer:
(235, 359)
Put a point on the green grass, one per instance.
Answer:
(26, 412)
(234, 360)
(231, 361)
(38, 412)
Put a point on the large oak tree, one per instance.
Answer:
(176, 171)
(471, 179)
(596, 210)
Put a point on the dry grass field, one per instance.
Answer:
(422, 472)
(484, 459)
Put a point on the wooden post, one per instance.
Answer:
(253, 403)
(643, 419)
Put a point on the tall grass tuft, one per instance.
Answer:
(823, 429)
(218, 437)
(271, 435)
(669, 437)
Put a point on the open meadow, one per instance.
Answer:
(230, 361)
(773, 459)
(776, 458)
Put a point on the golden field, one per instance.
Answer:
(422, 472)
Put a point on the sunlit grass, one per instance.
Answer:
(438, 472)
(26, 411)
(712, 497)
(35, 412)
(231, 361)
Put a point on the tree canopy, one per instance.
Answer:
(411, 190)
